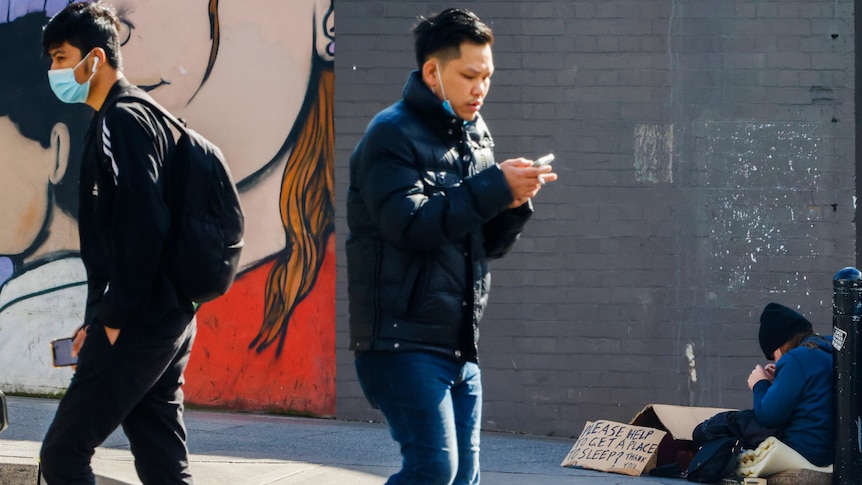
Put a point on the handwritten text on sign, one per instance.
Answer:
(614, 447)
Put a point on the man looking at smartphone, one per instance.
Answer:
(138, 329)
(427, 208)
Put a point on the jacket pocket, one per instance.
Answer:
(410, 286)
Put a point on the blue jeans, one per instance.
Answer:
(433, 406)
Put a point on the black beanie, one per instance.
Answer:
(778, 324)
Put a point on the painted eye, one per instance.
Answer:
(125, 32)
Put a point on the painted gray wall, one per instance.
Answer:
(706, 156)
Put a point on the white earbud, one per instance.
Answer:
(95, 63)
(440, 80)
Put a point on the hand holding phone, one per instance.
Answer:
(542, 161)
(62, 350)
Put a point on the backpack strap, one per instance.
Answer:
(133, 93)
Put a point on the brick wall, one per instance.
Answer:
(706, 157)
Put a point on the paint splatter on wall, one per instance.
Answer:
(757, 179)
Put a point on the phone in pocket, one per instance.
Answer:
(62, 350)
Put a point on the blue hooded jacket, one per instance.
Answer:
(799, 400)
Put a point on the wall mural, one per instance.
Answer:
(256, 78)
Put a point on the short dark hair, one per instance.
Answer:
(85, 25)
(27, 100)
(443, 34)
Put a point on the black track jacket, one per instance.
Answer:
(123, 218)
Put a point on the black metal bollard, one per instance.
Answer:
(846, 340)
(4, 416)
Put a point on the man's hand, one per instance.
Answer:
(112, 334)
(524, 180)
(757, 375)
(80, 335)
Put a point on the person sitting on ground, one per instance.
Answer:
(795, 394)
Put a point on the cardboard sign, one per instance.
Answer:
(614, 447)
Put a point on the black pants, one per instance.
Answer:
(135, 383)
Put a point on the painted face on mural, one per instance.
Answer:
(25, 164)
(40, 154)
(275, 40)
(151, 34)
(258, 85)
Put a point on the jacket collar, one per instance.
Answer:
(115, 90)
(419, 97)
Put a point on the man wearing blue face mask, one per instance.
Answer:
(427, 207)
(137, 333)
(64, 81)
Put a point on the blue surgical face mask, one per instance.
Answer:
(446, 104)
(66, 87)
(448, 107)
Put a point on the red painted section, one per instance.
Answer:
(224, 372)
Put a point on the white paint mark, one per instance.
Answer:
(692, 369)
(653, 153)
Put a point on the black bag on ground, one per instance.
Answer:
(207, 222)
(714, 460)
(740, 424)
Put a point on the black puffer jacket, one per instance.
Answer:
(426, 209)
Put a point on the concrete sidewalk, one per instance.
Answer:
(253, 449)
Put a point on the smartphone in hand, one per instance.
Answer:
(541, 162)
(62, 350)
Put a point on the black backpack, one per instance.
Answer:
(714, 460)
(740, 424)
(205, 237)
